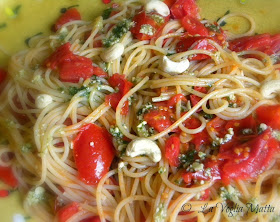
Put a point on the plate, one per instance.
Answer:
(37, 16)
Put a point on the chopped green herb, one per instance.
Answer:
(36, 195)
(144, 109)
(147, 29)
(213, 27)
(169, 54)
(187, 159)
(161, 213)
(223, 23)
(207, 116)
(27, 218)
(142, 129)
(3, 25)
(26, 148)
(157, 18)
(161, 170)
(229, 193)
(227, 12)
(13, 13)
(26, 41)
(63, 10)
(243, 1)
(106, 13)
(118, 32)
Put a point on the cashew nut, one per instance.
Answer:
(158, 6)
(143, 146)
(174, 68)
(268, 89)
(43, 100)
(113, 52)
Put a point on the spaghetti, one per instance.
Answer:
(225, 84)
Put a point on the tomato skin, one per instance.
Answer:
(249, 159)
(214, 165)
(238, 125)
(71, 67)
(71, 14)
(61, 54)
(185, 7)
(160, 120)
(7, 176)
(4, 193)
(270, 115)
(97, 71)
(3, 75)
(93, 153)
(195, 99)
(172, 150)
(217, 125)
(106, 1)
(269, 44)
(198, 43)
(67, 212)
(78, 67)
(143, 18)
(194, 27)
(124, 86)
(175, 99)
(199, 138)
(169, 3)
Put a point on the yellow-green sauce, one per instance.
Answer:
(35, 16)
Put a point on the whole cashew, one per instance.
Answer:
(158, 6)
(268, 89)
(174, 68)
(143, 146)
(113, 52)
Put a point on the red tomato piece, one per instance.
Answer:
(3, 75)
(172, 150)
(249, 159)
(206, 195)
(169, 3)
(194, 27)
(217, 125)
(124, 86)
(238, 125)
(270, 115)
(93, 153)
(160, 120)
(263, 42)
(189, 177)
(195, 43)
(106, 1)
(72, 67)
(67, 212)
(7, 176)
(200, 138)
(175, 99)
(146, 19)
(78, 67)
(195, 99)
(61, 54)
(4, 193)
(92, 219)
(182, 8)
(71, 14)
